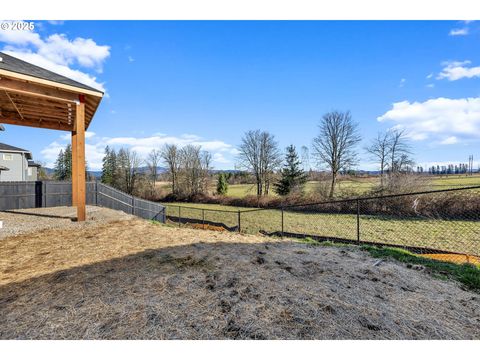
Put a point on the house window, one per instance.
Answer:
(8, 157)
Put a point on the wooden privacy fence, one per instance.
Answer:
(35, 194)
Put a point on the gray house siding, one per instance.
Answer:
(17, 165)
(32, 173)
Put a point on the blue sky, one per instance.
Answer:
(207, 82)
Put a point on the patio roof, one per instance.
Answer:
(33, 96)
(36, 97)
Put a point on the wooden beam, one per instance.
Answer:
(80, 161)
(7, 117)
(74, 168)
(53, 84)
(31, 89)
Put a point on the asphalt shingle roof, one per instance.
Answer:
(7, 147)
(14, 64)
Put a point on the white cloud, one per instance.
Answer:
(442, 118)
(130, 59)
(402, 82)
(459, 32)
(429, 76)
(58, 53)
(223, 153)
(455, 70)
(68, 136)
(449, 140)
(430, 85)
(220, 158)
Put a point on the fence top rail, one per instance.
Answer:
(204, 209)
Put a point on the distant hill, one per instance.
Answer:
(98, 173)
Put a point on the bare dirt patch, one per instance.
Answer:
(132, 279)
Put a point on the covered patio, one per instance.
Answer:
(36, 97)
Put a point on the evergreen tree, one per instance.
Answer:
(67, 162)
(293, 178)
(109, 166)
(222, 184)
(59, 170)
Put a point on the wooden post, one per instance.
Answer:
(80, 159)
(74, 168)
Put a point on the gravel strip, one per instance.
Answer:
(17, 222)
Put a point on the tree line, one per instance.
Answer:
(189, 169)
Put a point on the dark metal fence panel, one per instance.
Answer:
(112, 198)
(149, 210)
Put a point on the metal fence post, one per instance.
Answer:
(358, 221)
(179, 215)
(282, 222)
(44, 194)
(133, 205)
(239, 221)
(203, 219)
(96, 192)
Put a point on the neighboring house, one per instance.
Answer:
(17, 164)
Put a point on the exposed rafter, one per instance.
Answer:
(13, 103)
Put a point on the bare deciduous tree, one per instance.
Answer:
(335, 144)
(153, 160)
(380, 149)
(170, 154)
(306, 159)
(194, 165)
(400, 151)
(259, 154)
(206, 158)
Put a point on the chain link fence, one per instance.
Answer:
(441, 224)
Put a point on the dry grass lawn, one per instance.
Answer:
(132, 279)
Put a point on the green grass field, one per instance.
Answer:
(354, 187)
(364, 185)
(448, 235)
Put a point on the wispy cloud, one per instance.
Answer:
(463, 30)
(58, 53)
(402, 82)
(441, 120)
(456, 70)
(459, 32)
